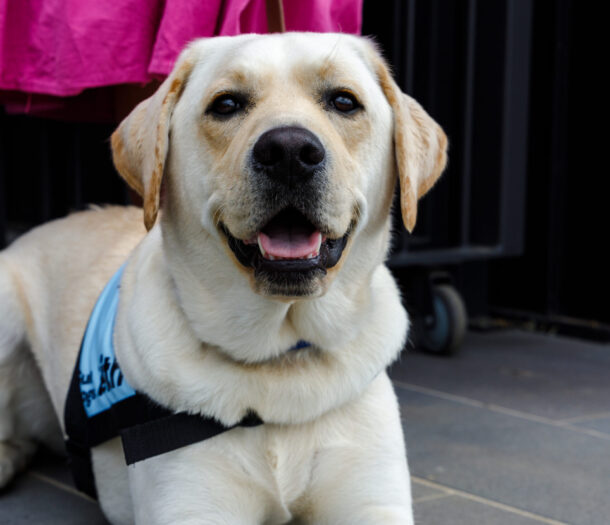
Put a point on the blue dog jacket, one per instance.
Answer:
(101, 381)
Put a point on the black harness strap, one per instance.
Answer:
(172, 432)
(77, 441)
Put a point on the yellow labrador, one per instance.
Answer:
(267, 166)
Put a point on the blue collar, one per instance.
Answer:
(300, 345)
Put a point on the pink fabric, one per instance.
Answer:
(61, 47)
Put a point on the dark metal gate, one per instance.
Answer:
(467, 62)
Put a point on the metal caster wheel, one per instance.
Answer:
(444, 331)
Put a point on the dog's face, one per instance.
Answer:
(284, 150)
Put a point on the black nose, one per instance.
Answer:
(289, 153)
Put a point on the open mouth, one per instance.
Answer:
(288, 243)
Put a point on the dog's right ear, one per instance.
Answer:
(141, 142)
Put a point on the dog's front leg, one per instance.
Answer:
(361, 474)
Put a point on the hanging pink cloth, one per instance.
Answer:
(61, 47)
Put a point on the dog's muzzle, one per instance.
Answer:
(291, 246)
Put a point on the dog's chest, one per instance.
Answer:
(290, 461)
(270, 463)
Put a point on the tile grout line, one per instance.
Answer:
(489, 502)
(500, 409)
(59, 485)
(586, 417)
(552, 422)
(432, 497)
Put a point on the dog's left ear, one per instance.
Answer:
(420, 145)
(141, 142)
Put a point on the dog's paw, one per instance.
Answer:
(13, 458)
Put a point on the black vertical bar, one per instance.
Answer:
(76, 199)
(433, 56)
(409, 59)
(515, 125)
(2, 182)
(559, 154)
(471, 28)
(397, 39)
(45, 173)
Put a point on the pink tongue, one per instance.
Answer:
(289, 243)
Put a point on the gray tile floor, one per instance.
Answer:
(515, 430)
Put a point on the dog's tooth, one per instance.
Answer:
(319, 244)
(269, 256)
(260, 246)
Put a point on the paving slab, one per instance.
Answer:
(33, 501)
(552, 377)
(554, 472)
(601, 424)
(454, 510)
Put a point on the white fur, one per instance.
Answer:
(194, 334)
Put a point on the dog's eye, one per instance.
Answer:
(225, 105)
(344, 102)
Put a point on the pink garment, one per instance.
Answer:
(61, 47)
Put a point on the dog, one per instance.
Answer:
(267, 166)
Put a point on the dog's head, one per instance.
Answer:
(284, 150)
